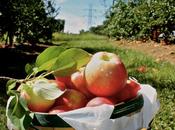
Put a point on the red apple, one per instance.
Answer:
(35, 102)
(129, 91)
(61, 85)
(64, 82)
(99, 101)
(59, 109)
(105, 74)
(72, 99)
(79, 83)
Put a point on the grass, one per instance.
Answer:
(161, 75)
(2, 112)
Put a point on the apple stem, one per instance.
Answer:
(9, 78)
(27, 78)
(46, 74)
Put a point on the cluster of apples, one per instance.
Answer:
(104, 80)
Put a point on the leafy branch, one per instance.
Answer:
(54, 60)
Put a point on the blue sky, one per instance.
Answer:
(76, 13)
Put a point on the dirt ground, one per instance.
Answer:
(158, 51)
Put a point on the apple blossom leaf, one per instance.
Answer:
(69, 61)
(46, 90)
(48, 57)
(10, 85)
(20, 117)
(64, 67)
(29, 68)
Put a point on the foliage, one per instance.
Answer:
(47, 63)
(29, 21)
(140, 19)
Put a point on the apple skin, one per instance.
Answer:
(72, 99)
(105, 74)
(79, 82)
(97, 101)
(59, 109)
(64, 82)
(60, 85)
(129, 91)
(36, 103)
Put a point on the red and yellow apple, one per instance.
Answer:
(72, 99)
(105, 74)
(99, 101)
(79, 82)
(35, 102)
(63, 82)
(129, 91)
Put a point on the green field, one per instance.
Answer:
(160, 75)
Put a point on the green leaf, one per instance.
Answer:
(48, 57)
(47, 90)
(11, 84)
(64, 67)
(69, 61)
(26, 121)
(20, 117)
(23, 103)
(29, 68)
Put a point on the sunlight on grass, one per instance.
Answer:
(62, 37)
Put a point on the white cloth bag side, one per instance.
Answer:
(98, 118)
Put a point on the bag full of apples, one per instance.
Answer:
(71, 89)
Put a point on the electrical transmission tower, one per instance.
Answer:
(90, 15)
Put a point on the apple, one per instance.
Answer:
(35, 102)
(72, 99)
(59, 109)
(99, 101)
(129, 91)
(40, 94)
(60, 85)
(63, 82)
(79, 82)
(105, 74)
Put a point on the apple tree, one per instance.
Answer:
(29, 21)
(142, 19)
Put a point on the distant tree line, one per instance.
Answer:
(139, 19)
(31, 21)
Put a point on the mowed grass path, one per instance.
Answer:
(160, 75)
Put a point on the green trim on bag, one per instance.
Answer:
(128, 107)
(47, 120)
